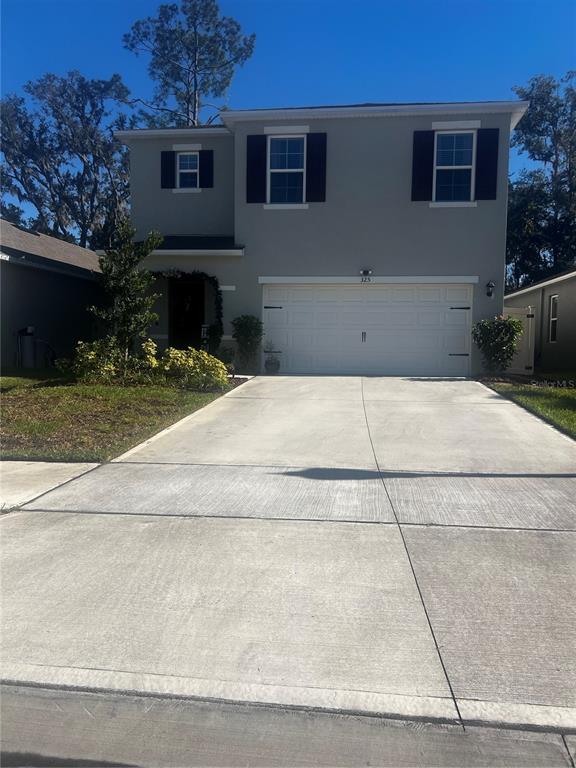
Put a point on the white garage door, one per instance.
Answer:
(386, 329)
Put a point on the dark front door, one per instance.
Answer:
(186, 300)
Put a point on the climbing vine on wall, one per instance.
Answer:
(216, 329)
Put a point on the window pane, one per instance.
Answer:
(188, 162)
(453, 185)
(454, 148)
(287, 153)
(188, 179)
(554, 306)
(553, 330)
(286, 187)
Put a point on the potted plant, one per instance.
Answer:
(248, 332)
(271, 359)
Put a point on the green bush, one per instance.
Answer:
(228, 356)
(248, 332)
(98, 362)
(103, 362)
(497, 340)
(193, 369)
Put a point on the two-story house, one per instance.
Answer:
(368, 238)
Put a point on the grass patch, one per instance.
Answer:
(556, 405)
(54, 419)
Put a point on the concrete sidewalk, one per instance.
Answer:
(44, 727)
(22, 481)
(398, 547)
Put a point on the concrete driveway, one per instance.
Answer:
(371, 545)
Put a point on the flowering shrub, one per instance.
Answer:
(193, 369)
(496, 340)
(95, 361)
(102, 362)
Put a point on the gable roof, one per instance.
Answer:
(19, 243)
(559, 277)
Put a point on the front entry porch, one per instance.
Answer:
(189, 310)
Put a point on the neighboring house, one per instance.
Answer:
(553, 304)
(46, 285)
(368, 238)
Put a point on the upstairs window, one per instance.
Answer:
(188, 170)
(553, 318)
(454, 166)
(286, 164)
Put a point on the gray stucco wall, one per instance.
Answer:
(368, 219)
(561, 354)
(54, 303)
(204, 212)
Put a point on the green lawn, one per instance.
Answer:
(53, 419)
(556, 405)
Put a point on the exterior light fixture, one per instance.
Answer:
(490, 285)
(365, 272)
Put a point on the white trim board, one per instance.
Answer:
(200, 252)
(447, 125)
(273, 129)
(356, 280)
(186, 147)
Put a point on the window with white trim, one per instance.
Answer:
(188, 170)
(553, 318)
(286, 169)
(454, 156)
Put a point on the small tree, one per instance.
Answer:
(128, 311)
(248, 332)
(497, 340)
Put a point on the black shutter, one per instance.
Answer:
(168, 170)
(256, 169)
(206, 170)
(486, 163)
(422, 165)
(316, 168)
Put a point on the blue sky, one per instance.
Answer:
(316, 51)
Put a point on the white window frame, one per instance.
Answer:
(472, 167)
(553, 318)
(270, 170)
(178, 171)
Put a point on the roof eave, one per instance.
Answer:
(170, 133)
(542, 284)
(515, 109)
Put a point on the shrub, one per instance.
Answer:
(248, 332)
(193, 369)
(103, 362)
(99, 361)
(497, 340)
(228, 356)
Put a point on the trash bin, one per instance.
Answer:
(27, 347)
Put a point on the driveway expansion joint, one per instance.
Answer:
(411, 564)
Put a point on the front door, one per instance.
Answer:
(186, 302)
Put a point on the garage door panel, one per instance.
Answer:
(454, 318)
(432, 294)
(459, 294)
(275, 318)
(372, 329)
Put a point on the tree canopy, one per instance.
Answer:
(193, 53)
(542, 201)
(60, 156)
